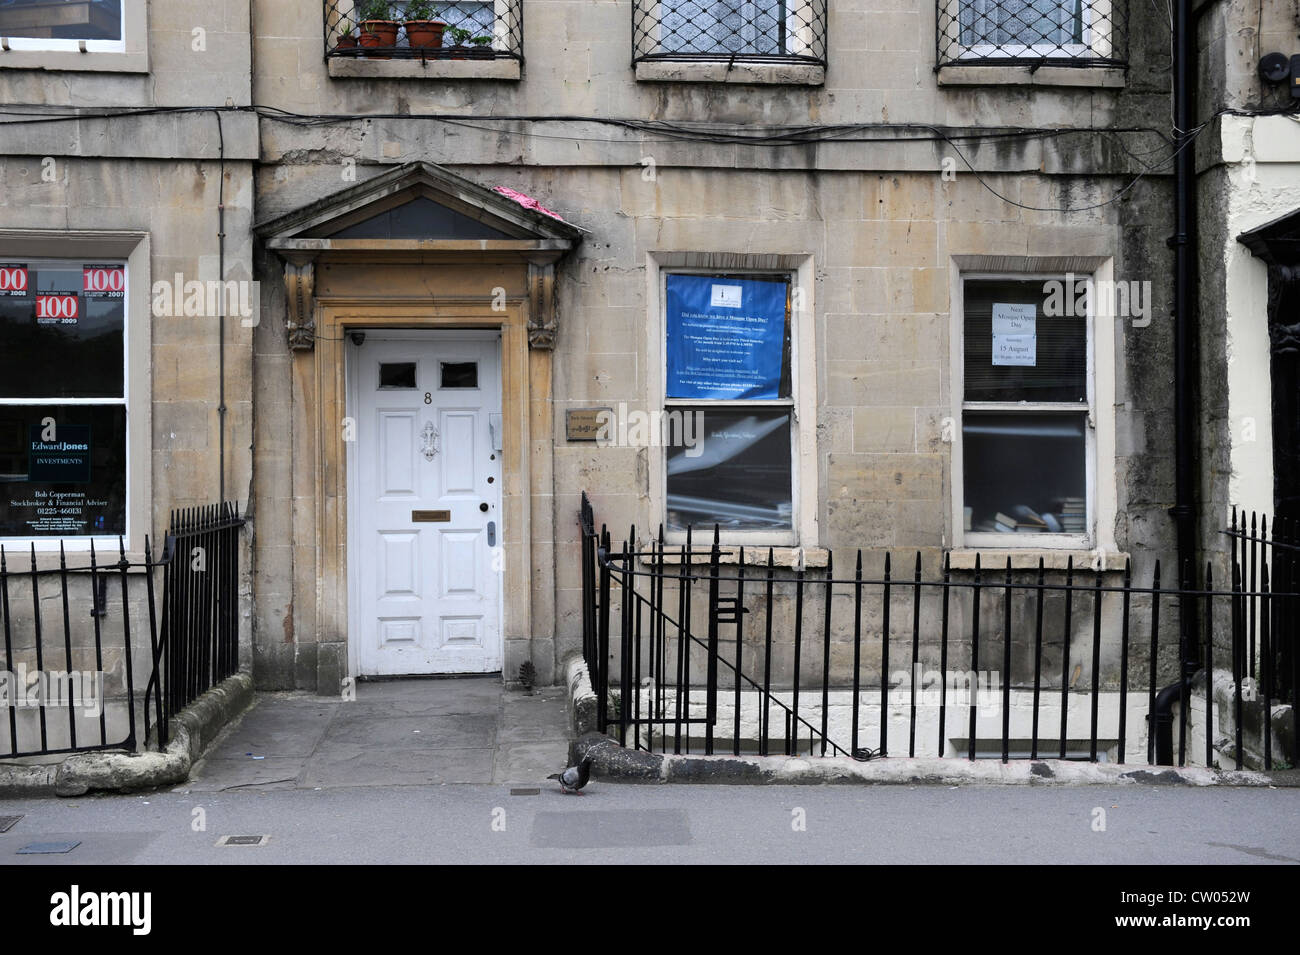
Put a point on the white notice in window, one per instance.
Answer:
(1015, 334)
(725, 296)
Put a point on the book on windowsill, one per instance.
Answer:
(1072, 512)
(1027, 517)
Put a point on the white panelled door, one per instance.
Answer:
(425, 544)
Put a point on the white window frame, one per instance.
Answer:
(803, 530)
(132, 249)
(130, 54)
(1099, 432)
(798, 31)
(1096, 40)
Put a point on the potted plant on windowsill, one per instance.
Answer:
(481, 48)
(347, 40)
(423, 28)
(378, 28)
(458, 49)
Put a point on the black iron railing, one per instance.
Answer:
(759, 31)
(200, 623)
(1011, 32)
(414, 29)
(687, 651)
(1265, 561)
(70, 674)
(74, 637)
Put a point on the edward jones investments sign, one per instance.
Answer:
(62, 461)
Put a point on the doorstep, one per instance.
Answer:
(410, 732)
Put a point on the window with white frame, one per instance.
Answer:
(729, 397)
(63, 398)
(1085, 31)
(1023, 23)
(1028, 441)
(722, 29)
(731, 26)
(63, 25)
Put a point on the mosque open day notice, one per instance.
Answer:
(725, 337)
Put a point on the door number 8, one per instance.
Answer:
(428, 398)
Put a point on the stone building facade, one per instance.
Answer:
(1248, 165)
(461, 259)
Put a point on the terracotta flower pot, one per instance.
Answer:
(425, 34)
(348, 43)
(379, 34)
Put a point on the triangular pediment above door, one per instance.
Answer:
(418, 206)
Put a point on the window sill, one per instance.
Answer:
(764, 74)
(70, 62)
(362, 68)
(987, 74)
(755, 556)
(994, 559)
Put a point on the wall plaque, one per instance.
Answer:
(583, 424)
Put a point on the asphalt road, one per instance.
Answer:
(615, 823)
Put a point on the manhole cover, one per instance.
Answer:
(243, 840)
(47, 848)
(8, 822)
(525, 792)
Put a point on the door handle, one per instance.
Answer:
(483, 507)
(492, 533)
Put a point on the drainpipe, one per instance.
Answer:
(221, 317)
(1183, 242)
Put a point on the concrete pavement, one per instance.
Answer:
(396, 733)
(421, 771)
(622, 822)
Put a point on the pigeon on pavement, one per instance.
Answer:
(574, 778)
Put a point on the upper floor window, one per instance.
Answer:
(1079, 32)
(62, 25)
(423, 29)
(726, 30)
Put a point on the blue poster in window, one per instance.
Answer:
(726, 337)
